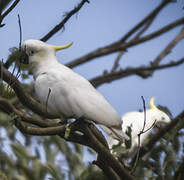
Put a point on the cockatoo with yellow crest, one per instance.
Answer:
(66, 93)
(135, 120)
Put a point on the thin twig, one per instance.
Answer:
(47, 99)
(149, 145)
(1, 79)
(116, 62)
(150, 127)
(146, 26)
(144, 109)
(16, 63)
(139, 137)
(20, 32)
(63, 22)
(20, 43)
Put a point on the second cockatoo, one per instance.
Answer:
(66, 93)
(135, 120)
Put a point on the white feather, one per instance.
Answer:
(135, 120)
(71, 95)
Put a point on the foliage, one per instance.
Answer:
(25, 157)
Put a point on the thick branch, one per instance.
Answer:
(84, 139)
(179, 174)
(110, 173)
(63, 22)
(140, 71)
(103, 152)
(7, 107)
(49, 131)
(89, 138)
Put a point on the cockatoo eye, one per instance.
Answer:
(32, 52)
(163, 118)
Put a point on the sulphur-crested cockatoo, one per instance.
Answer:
(66, 93)
(135, 120)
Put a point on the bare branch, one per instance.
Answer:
(8, 10)
(140, 71)
(147, 25)
(63, 22)
(116, 62)
(170, 46)
(152, 15)
(123, 47)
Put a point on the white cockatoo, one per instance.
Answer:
(135, 120)
(66, 93)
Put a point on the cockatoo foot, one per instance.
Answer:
(63, 122)
(70, 126)
(84, 120)
(67, 131)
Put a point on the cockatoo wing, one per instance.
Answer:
(74, 96)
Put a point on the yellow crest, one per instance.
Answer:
(57, 48)
(151, 103)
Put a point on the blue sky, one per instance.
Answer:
(98, 24)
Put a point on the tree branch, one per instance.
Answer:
(150, 16)
(170, 46)
(48, 131)
(123, 47)
(8, 10)
(105, 154)
(7, 107)
(140, 71)
(90, 136)
(179, 174)
(121, 53)
(63, 22)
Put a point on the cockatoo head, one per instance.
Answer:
(160, 116)
(33, 51)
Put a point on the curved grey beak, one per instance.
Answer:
(24, 58)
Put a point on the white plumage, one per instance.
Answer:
(135, 120)
(65, 93)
